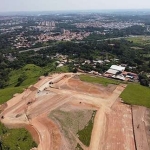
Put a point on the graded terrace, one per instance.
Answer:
(63, 112)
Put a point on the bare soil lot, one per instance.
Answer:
(57, 108)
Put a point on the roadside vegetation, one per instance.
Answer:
(100, 80)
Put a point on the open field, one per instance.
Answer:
(140, 39)
(63, 112)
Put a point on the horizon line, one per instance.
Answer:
(77, 10)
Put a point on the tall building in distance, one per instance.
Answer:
(47, 23)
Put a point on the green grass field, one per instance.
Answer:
(136, 94)
(100, 80)
(144, 40)
(61, 69)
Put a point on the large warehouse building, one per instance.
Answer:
(115, 72)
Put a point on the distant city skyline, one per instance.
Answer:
(57, 5)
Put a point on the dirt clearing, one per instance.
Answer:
(58, 112)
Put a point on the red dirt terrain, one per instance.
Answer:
(140, 122)
(119, 133)
(55, 108)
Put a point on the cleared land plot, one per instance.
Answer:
(139, 128)
(74, 122)
(119, 132)
(147, 124)
(80, 86)
(70, 104)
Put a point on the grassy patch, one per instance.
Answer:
(146, 55)
(15, 139)
(136, 94)
(100, 80)
(7, 93)
(62, 69)
(144, 40)
(136, 48)
(74, 122)
(32, 72)
(85, 134)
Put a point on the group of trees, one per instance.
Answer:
(114, 33)
(4, 71)
(79, 52)
(144, 80)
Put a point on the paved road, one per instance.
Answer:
(39, 48)
(35, 49)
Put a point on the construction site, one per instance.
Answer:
(57, 107)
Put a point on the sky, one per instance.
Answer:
(52, 5)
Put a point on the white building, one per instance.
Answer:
(115, 72)
(119, 68)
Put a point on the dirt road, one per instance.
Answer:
(97, 137)
(139, 127)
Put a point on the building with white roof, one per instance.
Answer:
(118, 68)
(115, 72)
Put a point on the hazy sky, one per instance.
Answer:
(50, 5)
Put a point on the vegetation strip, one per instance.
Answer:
(100, 80)
(85, 134)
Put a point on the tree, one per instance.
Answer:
(21, 78)
(143, 79)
